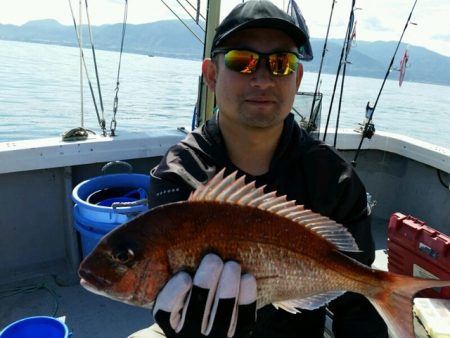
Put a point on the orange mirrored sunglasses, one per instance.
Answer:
(246, 61)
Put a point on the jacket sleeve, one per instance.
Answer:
(166, 188)
(177, 175)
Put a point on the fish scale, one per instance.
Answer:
(192, 239)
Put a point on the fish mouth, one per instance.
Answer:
(103, 287)
(93, 281)
(90, 287)
(130, 300)
(108, 294)
(94, 289)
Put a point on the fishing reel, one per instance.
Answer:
(367, 128)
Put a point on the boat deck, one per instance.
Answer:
(91, 316)
(87, 315)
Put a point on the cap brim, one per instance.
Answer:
(299, 37)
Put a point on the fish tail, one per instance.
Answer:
(395, 302)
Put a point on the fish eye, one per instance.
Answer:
(123, 256)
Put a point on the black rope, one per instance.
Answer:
(30, 289)
(77, 134)
(368, 125)
(113, 125)
(313, 114)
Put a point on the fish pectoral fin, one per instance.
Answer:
(309, 303)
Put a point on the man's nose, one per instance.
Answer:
(262, 76)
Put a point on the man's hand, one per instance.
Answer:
(218, 303)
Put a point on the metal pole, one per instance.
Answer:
(206, 97)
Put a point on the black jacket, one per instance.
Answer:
(306, 170)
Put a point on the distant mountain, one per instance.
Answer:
(371, 59)
(171, 38)
(162, 38)
(424, 65)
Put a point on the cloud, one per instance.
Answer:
(374, 24)
(441, 37)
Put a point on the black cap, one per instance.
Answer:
(264, 14)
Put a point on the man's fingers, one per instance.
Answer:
(202, 296)
(217, 302)
(225, 302)
(246, 305)
(247, 291)
(170, 301)
(208, 272)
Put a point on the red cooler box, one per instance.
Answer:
(418, 250)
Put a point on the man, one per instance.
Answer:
(255, 73)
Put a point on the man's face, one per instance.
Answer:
(261, 99)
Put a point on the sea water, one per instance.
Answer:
(40, 95)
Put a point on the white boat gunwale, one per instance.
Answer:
(53, 152)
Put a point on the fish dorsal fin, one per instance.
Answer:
(234, 191)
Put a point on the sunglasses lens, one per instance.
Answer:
(245, 62)
(241, 61)
(283, 63)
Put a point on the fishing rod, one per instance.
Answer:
(339, 69)
(185, 25)
(84, 65)
(103, 123)
(313, 115)
(80, 18)
(369, 129)
(198, 15)
(351, 33)
(113, 124)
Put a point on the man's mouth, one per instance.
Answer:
(260, 100)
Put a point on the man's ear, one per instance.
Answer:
(299, 75)
(209, 70)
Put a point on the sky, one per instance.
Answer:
(376, 19)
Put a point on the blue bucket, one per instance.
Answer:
(115, 210)
(90, 231)
(104, 202)
(36, 327)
